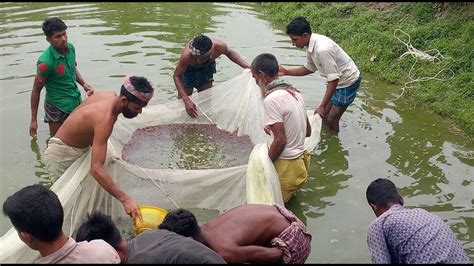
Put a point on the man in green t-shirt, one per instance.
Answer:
(56, 70)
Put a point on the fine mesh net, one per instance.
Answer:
(167, 159)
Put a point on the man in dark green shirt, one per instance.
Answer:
(56, 70)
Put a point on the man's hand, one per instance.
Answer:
(190, 108)
(88, 89)
(320, 111)
(267, 130)
(132, 209)
(33, 128)
(281, 71)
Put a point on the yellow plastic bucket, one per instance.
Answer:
(152, 217)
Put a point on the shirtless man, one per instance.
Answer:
(197, 65)
(90, 125)
(252, 233)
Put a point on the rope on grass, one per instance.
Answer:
(420, 55)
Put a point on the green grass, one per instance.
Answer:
(366, 32)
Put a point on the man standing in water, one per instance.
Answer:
(197, 65)
(90, 125)
(323, 54)
(56, 70)
(287, 121)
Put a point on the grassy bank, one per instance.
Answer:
(366, 33)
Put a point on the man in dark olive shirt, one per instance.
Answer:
(152, 246)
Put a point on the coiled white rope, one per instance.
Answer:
(423, 55)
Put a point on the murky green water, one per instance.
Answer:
(380, 137)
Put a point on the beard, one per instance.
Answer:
(127, 113)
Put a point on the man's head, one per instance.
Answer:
(182, 222)
(299, 32)
(136, 92)
(264, 69)
(36, 213)
(381, 195)
(99, 226)
(201, 48)
(55, 31)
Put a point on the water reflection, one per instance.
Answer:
(327, 175)
(40, 172)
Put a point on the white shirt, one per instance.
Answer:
(280, 106)
(95, 251)
(333, 63)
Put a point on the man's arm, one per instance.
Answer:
(308, 127)
(377, 244)
(252, 254)
(330, 89)
(178, 82)
(234, 56)
(99, 151)
(296, 71)
(38, 85)
(87, 88)
(279, 140)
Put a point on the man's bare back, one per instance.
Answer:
(78, 130)
(251, 224)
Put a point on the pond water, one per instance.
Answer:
(380, 136)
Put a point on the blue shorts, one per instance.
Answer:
(345, 96)
(196, 77)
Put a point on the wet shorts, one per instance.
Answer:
(53, 114)
(196, 77)
(345, 96)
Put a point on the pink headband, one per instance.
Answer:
(142, 96)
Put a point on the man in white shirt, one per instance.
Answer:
(286, 120)
(333, 63)
(37, 215)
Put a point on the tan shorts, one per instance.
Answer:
(59, 156)
(292, 173)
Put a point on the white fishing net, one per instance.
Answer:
(234, 106)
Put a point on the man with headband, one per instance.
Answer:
(197, 65)
(90, 126)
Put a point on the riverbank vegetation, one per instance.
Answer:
(368, 33)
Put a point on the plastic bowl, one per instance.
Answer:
(152, 217)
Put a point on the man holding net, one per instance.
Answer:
(197, 65)
(90, 125)
(287, 121)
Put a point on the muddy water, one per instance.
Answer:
(427, 158)
(186, 146)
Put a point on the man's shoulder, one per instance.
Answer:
(46, 56)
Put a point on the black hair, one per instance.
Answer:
(141, 84)
(381, 192)
(267, 63)
(99, 226)
(52, 25)
(36, 210)
(298, 26)
(202, 43)
(182, 222)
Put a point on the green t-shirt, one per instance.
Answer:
(60, 74)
